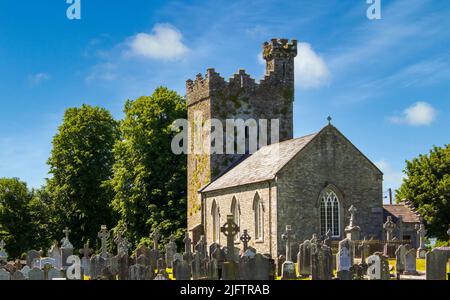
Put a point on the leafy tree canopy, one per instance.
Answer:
(427, 186)
(81, 162)
(149, 180)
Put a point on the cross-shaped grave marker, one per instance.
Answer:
(230, 229)
(103, 235)
(245, 238)
(288, 236)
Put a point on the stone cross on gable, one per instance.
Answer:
(352, 210)
(288, 236)
(389, 226)
(86, 251)
(245, 238)
(104, 236)
(155, 238)
(230, 229)
(187, 243)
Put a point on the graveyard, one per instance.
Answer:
(126, 156)
(316, 259)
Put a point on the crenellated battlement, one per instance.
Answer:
(239, 98)
(279, 55)
(279, 48)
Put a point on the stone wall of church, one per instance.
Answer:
(330, 159)
(245, 196)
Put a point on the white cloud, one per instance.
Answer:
(311, 70)
(165, 43)
(392, 178)
(38, 78)
(102, 72)
(421, 113)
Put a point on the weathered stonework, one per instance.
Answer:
(239, 98)
(292, 197)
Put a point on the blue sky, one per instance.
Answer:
(385, 82)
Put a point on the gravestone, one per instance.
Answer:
(247, 266)
(187, 248)
(171, 249)
(122, 243)
(230, 229)
(364, 249)
(378, 267)
(344, 264)
(26, 271)
(85, 260)
(66, 248)
(321, 262)
(230, 268)
(139, 272)
(4, 275)
(279, 265)
(124, 262)
(327, 239)
(3, 253)
(389, 247)
(55, 253)
(263, 268)
(421, 233)
(348, 259)
(53, 274)
(304, 259)
(104, 235)
(352, 231)
(245, 239)
(36, 274)
(17, 275)
(98, 265)
(74, 270)
(400, 259)
(288, 267)
(154, 253)
(436, 265)
(196, 266)
(214, 264)
(410, 262)
(31, 256)
(182, 269)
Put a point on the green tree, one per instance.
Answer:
(149, 180)
(427, 186)
(15, 226)
(81, 162)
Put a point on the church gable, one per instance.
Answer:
(329, 160)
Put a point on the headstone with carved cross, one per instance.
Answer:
(245, 238)
(201, 248)
(86, 260)
(3, 254)
(421, 233)
(389, 228)
(352, 231)
(103, 235)
(171, 249)
(66, 248)
(187, 248)
(288, 267)
(154, 253)
(230, 229)
(122, 243)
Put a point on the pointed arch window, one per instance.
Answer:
(236, 212)
(215, 222)
(330, 213)
(259, 218)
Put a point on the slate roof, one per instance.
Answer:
(261, 166)
(405, 210)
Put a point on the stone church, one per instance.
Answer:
(308, 182)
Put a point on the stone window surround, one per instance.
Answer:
(341, 200)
